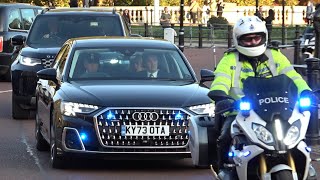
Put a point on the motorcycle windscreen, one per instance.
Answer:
(271, 96)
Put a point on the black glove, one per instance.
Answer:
(313, 98)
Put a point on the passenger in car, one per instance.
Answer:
(91, 63)
(151, 63)
(136, 64)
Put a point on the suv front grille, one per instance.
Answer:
(110, 126)
(46, 62)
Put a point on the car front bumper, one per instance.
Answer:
(94, 136)
(24, 82)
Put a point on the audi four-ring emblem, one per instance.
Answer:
(145, 116)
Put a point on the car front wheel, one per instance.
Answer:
(41, 143)
(56, 160)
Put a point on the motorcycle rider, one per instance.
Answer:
(250, 57)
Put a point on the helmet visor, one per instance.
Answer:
(252, 40)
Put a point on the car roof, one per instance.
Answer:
(66, 11)
(17, 5)
(101, 41)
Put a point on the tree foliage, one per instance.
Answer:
(263, 2)
(64, 3)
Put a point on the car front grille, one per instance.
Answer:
(46, 62)
(110, 126)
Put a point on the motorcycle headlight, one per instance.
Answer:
(292, 135)
(70, 108)
(28, 61)
(203, 109)
(262, 133)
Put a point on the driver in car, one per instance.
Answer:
(53, 30)
(251, 57)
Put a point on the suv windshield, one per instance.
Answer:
(53, 31)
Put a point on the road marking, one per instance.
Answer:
(5, 91)
(29, 150)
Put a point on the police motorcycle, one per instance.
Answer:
(268, 133)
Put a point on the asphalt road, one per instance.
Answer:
(19, 158)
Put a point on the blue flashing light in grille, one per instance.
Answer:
(245, 106)
(178, 116)
(110, 116)
(83, 136)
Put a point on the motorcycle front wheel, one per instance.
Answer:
(284, 174)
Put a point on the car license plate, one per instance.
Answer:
(144, 130)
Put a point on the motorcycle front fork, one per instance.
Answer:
(264, 168)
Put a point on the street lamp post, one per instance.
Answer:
(283, 27)
(257, 6)
(181, 31)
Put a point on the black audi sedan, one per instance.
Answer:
(122, 98)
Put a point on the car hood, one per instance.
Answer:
(40, 53)
(135, 95)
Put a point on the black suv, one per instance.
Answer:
(49, 31)
(15, 19)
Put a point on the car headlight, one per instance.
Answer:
(70, 108)
(262, 133)
(203, 109)
(28, 61)
(292, 135)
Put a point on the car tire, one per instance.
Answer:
(57, 161)
(17, 111)
(41, 143)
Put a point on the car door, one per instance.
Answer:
(49, 88)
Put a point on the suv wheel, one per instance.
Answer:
(17, 111)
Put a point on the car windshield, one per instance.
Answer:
(53, 31)
(128, 63)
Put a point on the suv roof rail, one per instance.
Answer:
(114, 10)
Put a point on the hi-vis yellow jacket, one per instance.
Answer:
(230, 72)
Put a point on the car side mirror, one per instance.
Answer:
(18, 40)
(48, 74)
(206, 75)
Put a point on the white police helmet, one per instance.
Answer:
(250, 25)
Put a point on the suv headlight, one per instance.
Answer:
(262, 133)
(203, 109)
(28, 61)
(70, 108)
(292, 135)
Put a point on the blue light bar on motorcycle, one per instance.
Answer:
(304, 102)
(246, 153)
(245, 106)
(230, 154)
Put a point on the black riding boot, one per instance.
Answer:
(223, 145)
